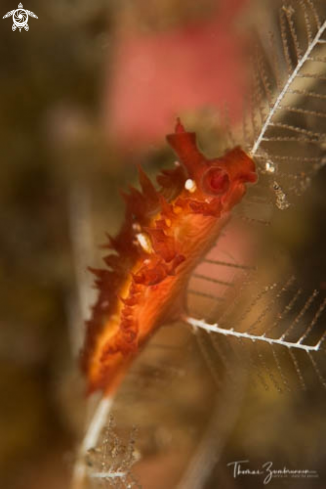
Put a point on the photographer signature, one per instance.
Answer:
(268, 472)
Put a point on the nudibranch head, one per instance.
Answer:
(220, 179)
(216, 181)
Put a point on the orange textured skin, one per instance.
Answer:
(165, 235)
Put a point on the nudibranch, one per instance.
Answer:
(166, 233)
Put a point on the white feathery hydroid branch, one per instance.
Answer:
(214, 328)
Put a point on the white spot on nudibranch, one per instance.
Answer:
(145, 242)
(136, 227)
(190, 185)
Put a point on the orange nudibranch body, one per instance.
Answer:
(165, 235)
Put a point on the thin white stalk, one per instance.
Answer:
(285, 90)
(214, 328)
(90, 440)
(108, 475)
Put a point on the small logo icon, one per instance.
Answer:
(20, 18)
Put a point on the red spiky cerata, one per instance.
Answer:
(165, 235)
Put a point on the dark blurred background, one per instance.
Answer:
(86, 91)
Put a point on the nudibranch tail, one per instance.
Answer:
(166, 233)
